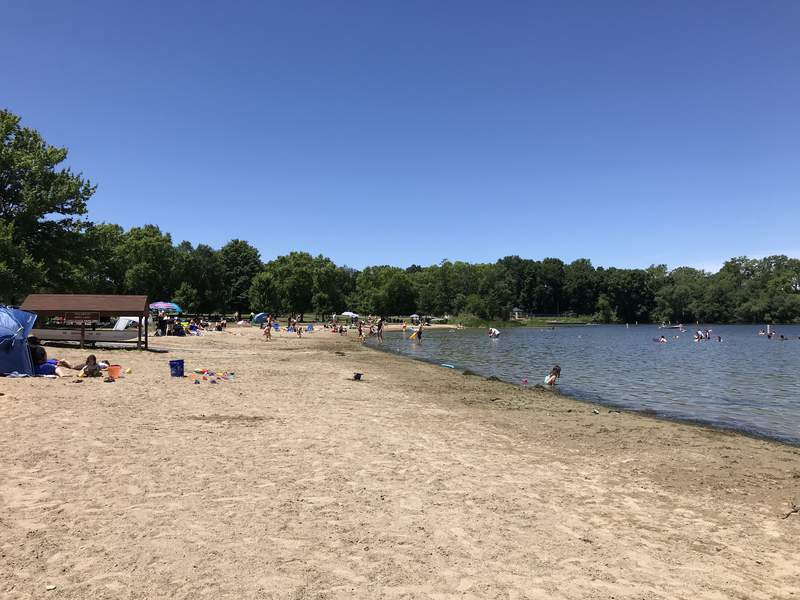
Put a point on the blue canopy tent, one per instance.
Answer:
(260, 318)
(15, 325)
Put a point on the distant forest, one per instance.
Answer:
(48, 244)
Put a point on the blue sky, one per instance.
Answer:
(408, 132)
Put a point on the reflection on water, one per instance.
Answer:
(747, 382)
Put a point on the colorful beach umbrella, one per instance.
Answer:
(166, 306)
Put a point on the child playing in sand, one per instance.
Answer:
(553, 375)
(90, 368)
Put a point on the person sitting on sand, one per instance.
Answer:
(43, 366)
(553, 375)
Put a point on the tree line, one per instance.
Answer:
(48, 244)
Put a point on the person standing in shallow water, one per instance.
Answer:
(553, 375)
(380, 329)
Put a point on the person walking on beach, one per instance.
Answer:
(380, 329)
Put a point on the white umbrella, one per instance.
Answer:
(347, 313)
(415, 316)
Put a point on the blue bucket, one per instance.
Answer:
(176, 368)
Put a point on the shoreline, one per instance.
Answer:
(648, 413)
(293, 480)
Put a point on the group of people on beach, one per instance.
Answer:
(173, 325)
(293, 326)
(375, 329)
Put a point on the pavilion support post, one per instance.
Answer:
(146, 332)
(139, 335)
(83, 334)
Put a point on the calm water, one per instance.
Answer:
(747, 382)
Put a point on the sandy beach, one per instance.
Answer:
(294, 481)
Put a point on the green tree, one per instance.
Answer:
(263, 293)
(629, 293)
(44, 204)
(580, 286)
(240, 262)
(99, 267)
(396, 296)
(19, 272)
(187, 297)
(201, 268)
(384, 290)
(331, 285)
(604, 312)
(679, 297)
(149, 257)
(497, 293)
(293, 277)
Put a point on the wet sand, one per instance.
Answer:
(294, 481)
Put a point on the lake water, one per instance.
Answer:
(747, 382)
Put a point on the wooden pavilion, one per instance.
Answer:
(78, 317)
